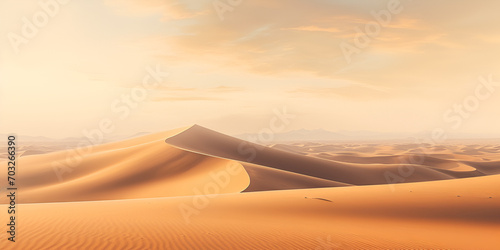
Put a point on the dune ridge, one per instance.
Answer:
(347, 169)
(142, 167)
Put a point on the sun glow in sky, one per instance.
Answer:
(418, 67)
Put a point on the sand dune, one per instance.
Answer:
(266, 178)
(194, 188)
(490, 167)
(142, 167)
(204, 141)
(457, 166)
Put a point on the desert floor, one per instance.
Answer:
(193, 188)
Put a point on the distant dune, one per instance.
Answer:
(194, 188)
(351, 170)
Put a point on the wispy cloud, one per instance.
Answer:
(315, 28)
(168, 9)
(350, 92)
(186, 98)
(225, 89)
(196, 94)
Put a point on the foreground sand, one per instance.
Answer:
(416, 215)
(194, 188)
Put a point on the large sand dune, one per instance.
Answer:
(138, 168)
(194, 188)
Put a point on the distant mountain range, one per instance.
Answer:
(320, 135)
(302, 135)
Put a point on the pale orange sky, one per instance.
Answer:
(230, 74)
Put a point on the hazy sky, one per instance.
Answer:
(386, 66)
